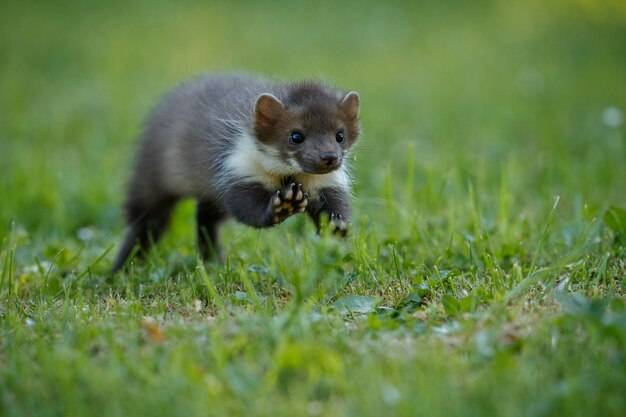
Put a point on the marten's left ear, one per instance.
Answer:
(268, 109)
(350, 105)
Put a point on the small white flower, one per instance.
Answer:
(85, 234)
(612, 117)
(391, 394)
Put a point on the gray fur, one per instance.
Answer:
(188, 149)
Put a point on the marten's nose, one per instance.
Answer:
(329, 158)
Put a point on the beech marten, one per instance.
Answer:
(244, 147)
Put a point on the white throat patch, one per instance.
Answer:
(252, 161)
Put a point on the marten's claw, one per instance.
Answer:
(290, 200)
(338, 225)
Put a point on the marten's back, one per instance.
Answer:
(192, 131)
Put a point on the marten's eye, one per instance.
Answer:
(339, 136)
(296, 138)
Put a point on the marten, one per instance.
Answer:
(244, 147)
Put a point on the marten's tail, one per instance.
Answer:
(146, 224)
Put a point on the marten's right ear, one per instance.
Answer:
(268, 110)
(350, 105)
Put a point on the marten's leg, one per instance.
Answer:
(255, 205)
(336, 203)
(209, 216)
(146, 224)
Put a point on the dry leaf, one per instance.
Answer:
(155, 332)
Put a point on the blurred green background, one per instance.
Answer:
(478, 297)
(454, 93)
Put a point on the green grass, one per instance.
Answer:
(486, 270)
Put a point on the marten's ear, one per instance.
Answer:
(268, 109)
(350, 105)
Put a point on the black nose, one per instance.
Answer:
(329, 158)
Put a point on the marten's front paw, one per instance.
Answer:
(338, 225)
(288, 201)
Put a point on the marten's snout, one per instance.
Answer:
(329, 158)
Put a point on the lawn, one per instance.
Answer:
(485, 272)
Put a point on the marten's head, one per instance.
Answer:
(312, 128)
